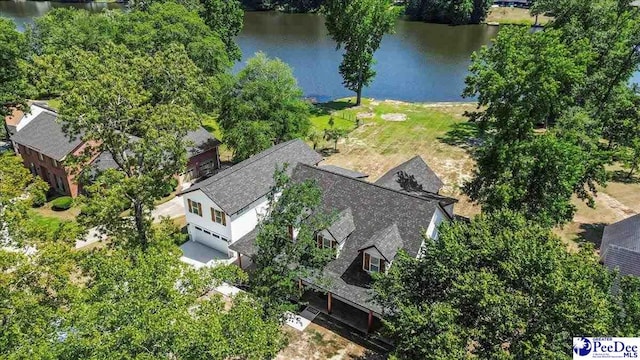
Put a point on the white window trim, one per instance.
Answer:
(371, 259)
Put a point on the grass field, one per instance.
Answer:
(513, 15)
(441, 135)
(437, 132)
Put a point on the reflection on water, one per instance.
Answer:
(420, 62)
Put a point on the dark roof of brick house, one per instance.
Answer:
(620, 245)
(45, 135)
(413, 175)
(240, 185)
(200, 141)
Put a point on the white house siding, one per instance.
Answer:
(432, 231)
(204, 222)
(437, 218)
(247, 220)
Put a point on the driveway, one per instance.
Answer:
(173, 208)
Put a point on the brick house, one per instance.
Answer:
(38, 137)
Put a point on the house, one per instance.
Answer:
(374, 221)
(203, 156)
(620, 247)
(44, 147)
(225, 207)
(39, 138)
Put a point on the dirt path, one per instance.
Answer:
(616, 206)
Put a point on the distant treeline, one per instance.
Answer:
(438, 11)
(283, 5)
(449, 11)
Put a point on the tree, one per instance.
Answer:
(18, 191)
(149, 304)
(499, 287)
(12, 74)
(263, 106)
(524, 80)
(449, 11)
(281, 260)
(126, 303)
(56, 37)
(334, 135)
(358, 26)
(137, 109)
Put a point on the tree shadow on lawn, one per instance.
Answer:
(622, 176)
(591, 233)
(463, 134)
(321, 109)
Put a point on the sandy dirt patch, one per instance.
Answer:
(319, 343)
(365, 115)
(394, 117)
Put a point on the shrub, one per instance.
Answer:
(62, 203)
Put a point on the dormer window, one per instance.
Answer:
(325, 243)
(372, 263)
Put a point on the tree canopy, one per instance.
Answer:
(566, 87)
(12, 72)
(501, 287)
(261, 107)
(294, 211)
(358, 26)
(137, 109)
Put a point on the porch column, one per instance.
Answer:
(240, 260)
(329, 300)
(370, 322)
(300, 284)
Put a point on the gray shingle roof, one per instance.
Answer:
(44, 134)
(624, 260)
(386, 241)
(620, 245)
(414, 175)
(375, 209)
(343, 171)
(343, 226)
(240, 185)
(201, 140)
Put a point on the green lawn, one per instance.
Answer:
(47, 223)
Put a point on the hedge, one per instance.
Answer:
(62, 203)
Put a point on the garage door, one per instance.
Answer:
(210, 239)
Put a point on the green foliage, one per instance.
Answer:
(573, 78)
(261, 107)
(12, 74)
(524, 80)
(62, 203)
(15, 182)
(334, 135)
(138, 108)
(126, 303)
(449, 11)
(500, 287)
(358, 26)
(280, 260)
(57, 37)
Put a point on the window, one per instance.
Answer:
(194, 207)
(32, 168)
(54, 162)
(218, 216)
(372, 263)
(40, 156)
(325, 243)
(60, 183)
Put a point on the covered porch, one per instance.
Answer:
(357, 317)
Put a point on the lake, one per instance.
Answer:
(419, 62)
